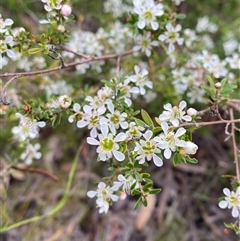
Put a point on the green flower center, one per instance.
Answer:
(175, 113)
(107, 144)
(145, 43)
(94, 120)
(172, 36)
(115, 119)
(149, 148)
(233, 200)
(148, 15)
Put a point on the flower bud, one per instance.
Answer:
(218, 85)
(66, 10)
(190, 148)
(64, 101)
(61, 28)
(192, 112)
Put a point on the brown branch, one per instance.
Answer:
(39, 171)
(209, 123)
(72, 64)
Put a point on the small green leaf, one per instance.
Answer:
(180, 16)
(138, 177)
(211, 81)
(146, 187)
(145, 175)
(223, 82)
(139, 122)
(34, 50)
(191, 160)
(177, 159)
(144, 202)
(209, 91)
(157, 129)
(138, 203)
(146, 118)
(155, 191)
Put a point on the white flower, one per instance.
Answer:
(91, 118)
(27, 128)
(77, 115)
(147, 12)
(134, 131)
(125, 183)
(148, 149)
(64, 101)
(232, 200)
(171, 36)
(230, 46)
(175, 114)
(104, 196)
(234, 61)
(145, 43)
(140, 79)
(31, 153)
(170, 139)
(5, 23)
(115, 119)
(4, 46)
(107, 144)
(52, 5)
(190, 148)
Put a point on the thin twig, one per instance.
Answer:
(3, 92)
(235, 152)
(209, 123)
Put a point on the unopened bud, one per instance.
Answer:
(190, 148)
(192, 112)
(61, 28)
(66, 10)
(218, 85)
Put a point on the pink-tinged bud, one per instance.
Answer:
(190, 148)
(66, 10)
(192, 112)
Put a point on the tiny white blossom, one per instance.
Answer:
(107, 144)
(31, 153)
(27, 128)
(170, 139)
(140, 79)
(4, 24)
(175, 114)
(149, 149)
(125, 183)
(177, 2)
(115, 119)
(232, 200)
(171, 36)
(77, 115)
(234, 61)
(145, 44)
(134, 131)
(64, 101)
(147, 12)
(91, 118)
(52, 5)
(104, 195)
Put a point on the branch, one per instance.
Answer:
(235, 151)
(65, 66)
(209, 123)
